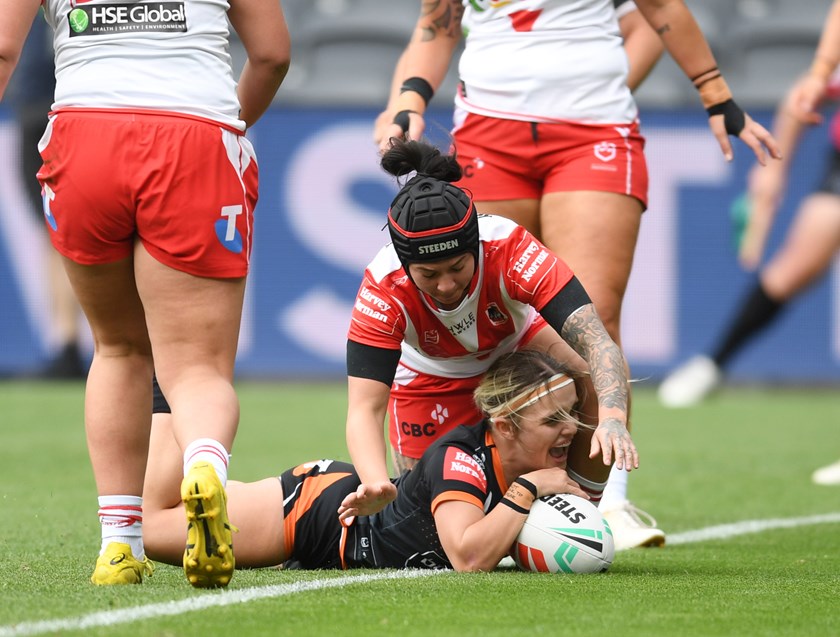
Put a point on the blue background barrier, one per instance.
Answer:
(323, 200)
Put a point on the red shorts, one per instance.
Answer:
(508, 159)
(423, 407)
(186, 187)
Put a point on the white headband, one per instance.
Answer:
(525, 399)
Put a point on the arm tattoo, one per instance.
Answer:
(586, 334)
(441, 17)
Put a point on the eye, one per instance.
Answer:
(557, 418)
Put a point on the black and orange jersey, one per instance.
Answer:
(463, 465)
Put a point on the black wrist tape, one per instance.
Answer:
(734, 119)
(522, 494)
(514, 506)
(706, 72)
(419, 86)
(528, 485)
(699, 85)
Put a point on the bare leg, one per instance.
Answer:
(118, 395)
(811, 243)
(255, 508)
(194, 328)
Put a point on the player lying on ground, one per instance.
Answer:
(532, 442)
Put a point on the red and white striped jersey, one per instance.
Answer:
(516, 276)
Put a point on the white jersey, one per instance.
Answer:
(545, 61)
(142, 54)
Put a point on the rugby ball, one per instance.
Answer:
(564, 534)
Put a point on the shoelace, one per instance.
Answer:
(148, 567)
(636, 514)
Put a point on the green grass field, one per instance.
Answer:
(746, 455)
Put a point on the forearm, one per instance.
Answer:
(586, 334)
(476, 542)
(428, 54)
(827, 55)
(257, 87)
(487, 541)
(787, 130)
(366, 445)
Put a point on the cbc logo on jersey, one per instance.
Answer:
(415, 430)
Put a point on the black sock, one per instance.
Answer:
(756, 312)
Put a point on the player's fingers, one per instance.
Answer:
(751, 140)
(768, 141)
(417, 127)
(725, 145)
(594, 447)
(606, 449)
(393, 131)
(631, 456)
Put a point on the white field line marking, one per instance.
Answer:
(209, 600)
(229, 598)
(724, 531)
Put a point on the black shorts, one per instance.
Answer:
(159, 404)
(831, 181)
(312, 493)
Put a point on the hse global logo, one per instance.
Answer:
(101, 19)
(78, 20)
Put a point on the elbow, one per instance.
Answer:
(475, 565)
(275, 61)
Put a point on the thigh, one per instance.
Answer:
(525, 212)
(808, 249)
(595, 233)
(109, 298)
(192, 321)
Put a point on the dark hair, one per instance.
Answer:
(430, 218)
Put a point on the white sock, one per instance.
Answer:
(210, 451)
(616, 491)
(121, 517)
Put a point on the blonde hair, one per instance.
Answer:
(504, 389)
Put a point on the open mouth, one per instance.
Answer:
(559, 452)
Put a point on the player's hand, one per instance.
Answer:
(747, 130)
(402, 125)
(805, 97)
(612, 439)
(554, 480)
(367, 499)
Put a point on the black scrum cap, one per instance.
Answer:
(430, 219)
